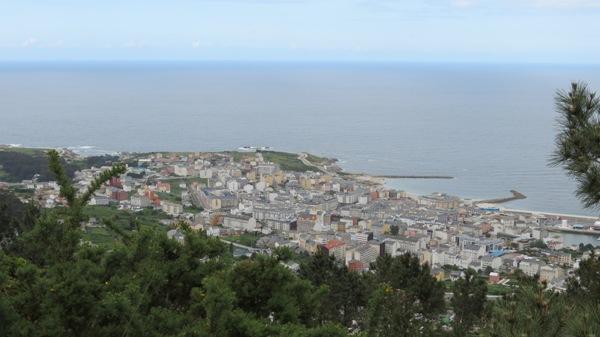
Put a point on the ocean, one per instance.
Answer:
(491, 126)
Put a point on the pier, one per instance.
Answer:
(413, 177)
(516, 195)
(573, 230)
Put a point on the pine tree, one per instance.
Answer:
(468, 301)
(578, 142)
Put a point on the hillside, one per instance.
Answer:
(17, 164)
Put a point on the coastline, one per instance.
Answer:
(561, 215)
(336, 168)
(499, 205)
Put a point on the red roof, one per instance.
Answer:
(331, 244)
(356, 265)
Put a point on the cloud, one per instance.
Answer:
(567, 3)
(56, 44)
(462, 3)
(29, 42)
(134, 44)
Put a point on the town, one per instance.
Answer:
(260, 200)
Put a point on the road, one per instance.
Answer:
(302, 157)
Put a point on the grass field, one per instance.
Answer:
(498, 289)
(172, 197)
(124, 220)
(100, 236)
(246, 239)
(286, 161)
(316, 160)
(26, 150)
(238, 156)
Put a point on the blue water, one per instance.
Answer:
(490, 126)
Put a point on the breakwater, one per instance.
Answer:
(516, 195)
(573, 230)
(412, 177)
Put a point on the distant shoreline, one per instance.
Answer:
(363, 177)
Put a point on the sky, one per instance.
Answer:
(528, 31)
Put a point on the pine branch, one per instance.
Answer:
(578, 142)
(104, 177)
(66, 188)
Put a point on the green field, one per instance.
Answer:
(238, 156)
(99, 236)
(26, 150)
(169, 197)
(498, 289)
(124, 220)
(246, 239)
(316, 159)
(286, 161)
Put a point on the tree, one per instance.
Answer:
(585, 284)
(538, 244)
(468, 301)
(15, 217)
(265, 287)
(394, 313)
(406, 272)
(346, 292)
(56, 237)
(530, 311)
(578, 142)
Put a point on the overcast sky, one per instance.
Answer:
(548, 31)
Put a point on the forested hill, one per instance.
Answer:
(17, 164)
(15, 217)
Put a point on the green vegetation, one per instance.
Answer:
(26, 151)
(578, 143)
(15, 217)
(169, 197)
(239, 156)
(498, 289)
(468, 301)
(246, 239)
(123, 218)
(100, 236)
(287, 161)
(192, 209)
(23, 163)
(97, 161)
(316, 160)
(538, 244)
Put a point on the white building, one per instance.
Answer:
(99, 200)
(240, 222)
(171, 208)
